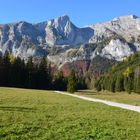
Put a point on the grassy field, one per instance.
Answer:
(123, 97)
(44, 115)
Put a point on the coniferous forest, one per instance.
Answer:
(124, 76)
(14, 72)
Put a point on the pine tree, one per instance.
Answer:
(71, 87)
(112, 84)
(59, 82)
(137, 80)
(6, 66)
(129, 85)
(81, 83)
(43, 81)
(125, 83)
(98, 85)
(1, 71)
(119, 83)
(101, 84)
(30, 70)
(128, 80)
(18, 73)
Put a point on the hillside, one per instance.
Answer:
(124, 76)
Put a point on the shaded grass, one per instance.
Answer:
(44, 115)
(122, 97)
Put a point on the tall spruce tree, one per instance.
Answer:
(128, 79)
(30, 70)
(43, 81)
(119, 83)
(111, 84)
(1, 70)
(59, 81)
(137, 80)
(71, 87)
(6, 67)
(18, 73)
(98, 85)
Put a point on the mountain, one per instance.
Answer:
(63, 43)
(61, 31)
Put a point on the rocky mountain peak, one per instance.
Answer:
(23, 22)
(61, 31)
(62, 20)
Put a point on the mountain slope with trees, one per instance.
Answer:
(124, 76)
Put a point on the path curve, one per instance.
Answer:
(120, 105)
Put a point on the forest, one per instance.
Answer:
(124, 76)
(15, 72)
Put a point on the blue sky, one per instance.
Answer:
(81, 12)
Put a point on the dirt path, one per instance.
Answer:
(120, 105)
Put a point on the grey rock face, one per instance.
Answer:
(61, 41)
(21, 39)
(61, 31)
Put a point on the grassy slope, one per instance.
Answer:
(38, 115)
(122, 97)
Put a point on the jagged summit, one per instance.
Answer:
(63, 18)
(61, 31)
(60, 23)
(59, 20)
(23, 22)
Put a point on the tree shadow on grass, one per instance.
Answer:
(14, 108)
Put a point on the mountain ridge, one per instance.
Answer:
(61, 41)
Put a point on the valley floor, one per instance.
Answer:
(40, 115)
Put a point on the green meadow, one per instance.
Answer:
(120, 97)
(45, 115)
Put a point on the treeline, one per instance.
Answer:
(124, 76)
(14, 72)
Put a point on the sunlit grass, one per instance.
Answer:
(44, 115)
(122, 97)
